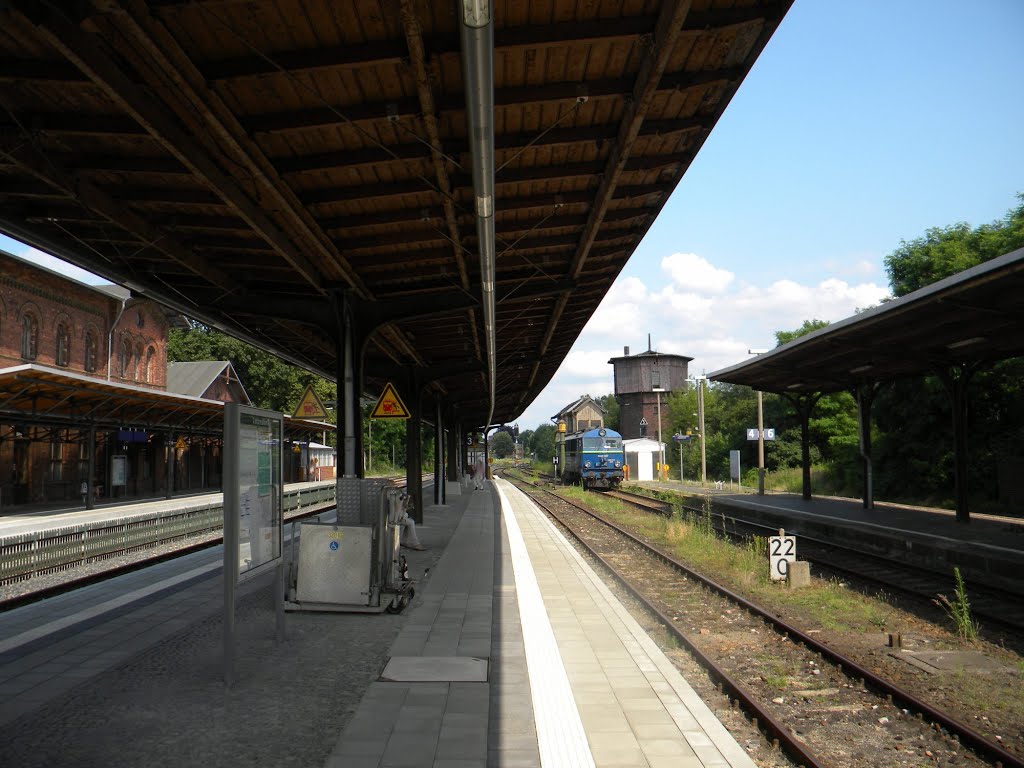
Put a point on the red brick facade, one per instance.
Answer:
(51, 320)
(643, 405)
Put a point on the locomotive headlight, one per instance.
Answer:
(586, 464)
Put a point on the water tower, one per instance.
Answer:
(636, 379)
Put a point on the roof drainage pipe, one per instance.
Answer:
(478, 77)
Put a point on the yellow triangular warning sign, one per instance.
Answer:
(390, 405)
(310, 406)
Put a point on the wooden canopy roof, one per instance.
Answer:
(33, 394)
(971, 318)
(245, 162)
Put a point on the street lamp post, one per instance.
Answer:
(699, 382)
(760, 432)
(760, 445)
(661, 445)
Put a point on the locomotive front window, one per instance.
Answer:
(602, 444)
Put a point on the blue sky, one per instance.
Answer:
(862, 124)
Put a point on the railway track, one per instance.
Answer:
(992, 606)
(46, 584)
(668, 592)
(86, 573)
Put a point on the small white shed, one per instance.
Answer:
(642, 454)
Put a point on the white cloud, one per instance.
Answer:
(690, 271)
(707, 318)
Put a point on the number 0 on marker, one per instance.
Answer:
(781, 552)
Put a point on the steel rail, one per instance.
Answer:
(989, 591)
(968, 736)
(72, 584)
(778, 732)
(7, 604)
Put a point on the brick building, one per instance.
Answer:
(48, 319)
(56, 329)
(87, 411)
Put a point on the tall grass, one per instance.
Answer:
(959, 610)
(692, 538)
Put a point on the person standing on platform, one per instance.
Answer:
(479, 475)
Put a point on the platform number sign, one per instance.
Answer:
(781, 552)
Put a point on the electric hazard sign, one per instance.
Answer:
(310, 406)
(389, 405)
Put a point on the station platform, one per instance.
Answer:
(988, 547)
(513, 653)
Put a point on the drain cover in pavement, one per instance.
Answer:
(435, 669)
(935, 662)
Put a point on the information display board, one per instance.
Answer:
(118, 470)
(253, 510)
(253, 492)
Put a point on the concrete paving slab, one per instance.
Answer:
(430, 669)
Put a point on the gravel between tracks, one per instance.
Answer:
(836, 716)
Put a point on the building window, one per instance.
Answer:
(56, 462)
(655, 379)
(29, 337)
(124, 359)
(150, 362)
(63, 345)
(90, 352)
(83, 459)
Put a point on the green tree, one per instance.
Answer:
(944, 251)
(525, 439)
(270, 382)
(913, 449)
(542, 442)
(502, 445)
(611, 406)
(384, 441)
(809, 326)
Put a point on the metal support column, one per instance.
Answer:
(413, 451)
(452, 451)
(350, 417)
(90, 497)
(348, 482)
(804, 404)
(700, 420)
(438, 454)
(760, 443)
(956, 380)
(487, 454)
(865, 395)
(172, 461)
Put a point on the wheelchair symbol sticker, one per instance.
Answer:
(334, 546)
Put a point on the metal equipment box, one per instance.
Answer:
(335, 564)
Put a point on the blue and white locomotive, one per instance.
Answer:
(594, 458)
